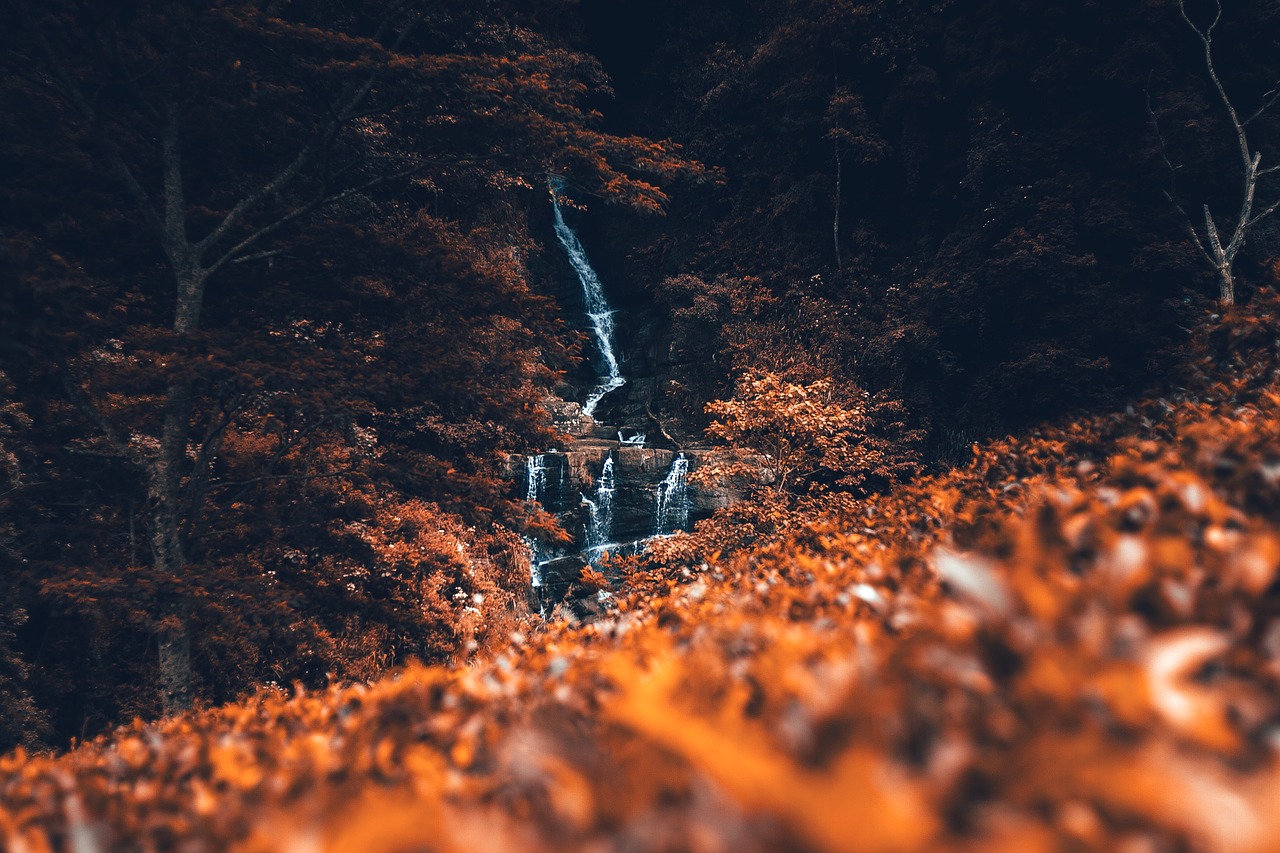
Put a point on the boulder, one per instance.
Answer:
(557, 575)
(644, 462)
(585, 462)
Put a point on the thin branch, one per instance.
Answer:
(246, 204)
(1264, 214)
(198, 483)
(1223, 257)
(231, 254)
(1206, 38)
(1212, 230)
(217, 427)
(258, 256)
(1173, 180)
(131, 80)
(281, 477)
(99, 454)
(648, 409)
(1271, 98)
(25, 485)
(85, 404)
(349, 102)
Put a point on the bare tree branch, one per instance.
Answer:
(1173, 175)
(1271, 98)
(1264, 214)
(341, 111)
(120, 445)
(1206, 39)
(1221, 256)
(298, 212)
(258, 256)
(282, 478)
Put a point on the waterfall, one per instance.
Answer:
(598, 310)
(636, 439)
(535, 474)
(672, 512)
(600, 510)
(562, 483)
(535, 565)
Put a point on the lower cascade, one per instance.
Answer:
(672, 510)
(535, 477)
(611, 498)
(600, 512)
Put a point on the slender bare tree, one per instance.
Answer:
(1221, 253)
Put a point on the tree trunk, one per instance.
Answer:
(1226, 286)
(835, 222)
(164, 493)
(175, 663)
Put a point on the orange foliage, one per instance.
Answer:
(1070, 643)
(787, 435)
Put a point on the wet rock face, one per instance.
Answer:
(566, 482)
(557, 575)
(545, 478)
(608, 489)
(644, 461)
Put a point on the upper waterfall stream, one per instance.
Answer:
(612, 497)
(599, 312)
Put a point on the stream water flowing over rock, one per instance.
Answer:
(600, 509)
(672, 510)
(599, 311)
(608, 489)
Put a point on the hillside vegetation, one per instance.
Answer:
(1071, 642)
(285, 296)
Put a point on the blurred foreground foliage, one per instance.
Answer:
(1072, 642)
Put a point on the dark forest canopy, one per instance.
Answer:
(267, 320)
(275, 294)
(1003, 248)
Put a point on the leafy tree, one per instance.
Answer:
(1001, 256)
(802, 438)
(221, 152)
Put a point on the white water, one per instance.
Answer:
(535, 474)
(600, 509)
(619, 549)
(672, 512)
(598, 310)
